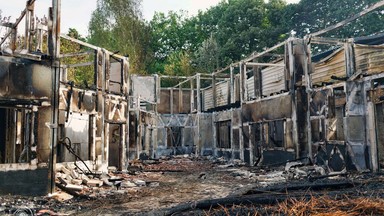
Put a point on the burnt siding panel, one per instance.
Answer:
(164, 105)
(271, 109)
(4, 71)
(250, 88)
(29, 80)
(333, 65)
(273, 79)
(369, 59)
(208, 99)
(222, 93)
(24, 182)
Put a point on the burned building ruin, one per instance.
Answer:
(277, 105)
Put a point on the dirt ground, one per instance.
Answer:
(207, 186)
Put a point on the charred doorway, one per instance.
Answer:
(223, 131)
(377, 99)
(115, 145)
(258, 139)
(380, 133)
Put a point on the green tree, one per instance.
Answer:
(178, 64)
(241, 27)
(117, 25)
(207, 56)
(169, 35)
(79, 75)
(313, 15)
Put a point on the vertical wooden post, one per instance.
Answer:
(214, 91)
(54, 36)
(251, 145)
(180, 99)
(292, 73)
(245, 86)
(171, 99)
(307, 68)
(192, 96)
(232, 139)
(372, 135)
(232, 85)
(242, 83)
(27, 25)
(349, 58)
(198, 104)
(104, 135)
(257, 81)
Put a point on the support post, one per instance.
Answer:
(292, 73)
(214, 91)
(349, 58)
(180, 99)
(171, 99)
(242, 89)
(192, 97)
(372, 136)
(307, 68)
(232, 85)
(55, 39)
(198, 104)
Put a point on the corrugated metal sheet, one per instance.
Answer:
(273, 79)
(333, 65)
(369, 58)
(250, 88)
(208, 98)
(222, 93)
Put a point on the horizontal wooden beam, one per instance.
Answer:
(264, 64)
(79, 65)
(75, 54)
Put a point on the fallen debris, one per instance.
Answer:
(60, 196)
(203, 187)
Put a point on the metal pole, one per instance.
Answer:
(55, 91)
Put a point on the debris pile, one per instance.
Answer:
(206, 185)
(75, 181)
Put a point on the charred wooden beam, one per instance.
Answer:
(76, 54)
(251, 64)
(78, 65)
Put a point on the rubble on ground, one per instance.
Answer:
(172, 183)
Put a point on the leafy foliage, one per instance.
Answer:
(117, 25)
(79, 75)
(176, 44)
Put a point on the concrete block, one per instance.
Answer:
(74, 187)
(74, 174)
(94, 183)
(76, 181)
(66, 171)
(139, 183)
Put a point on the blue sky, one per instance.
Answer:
(77, 13)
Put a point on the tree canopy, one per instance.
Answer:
(178, 44)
